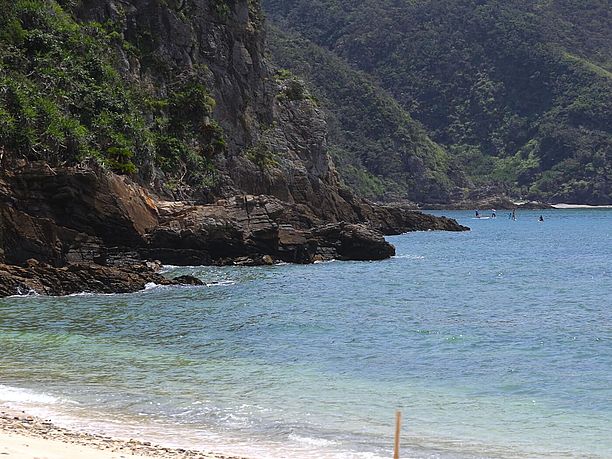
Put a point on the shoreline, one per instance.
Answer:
(517, 206)
(579, 206)
(28, 437)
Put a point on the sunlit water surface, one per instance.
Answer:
(493, 343)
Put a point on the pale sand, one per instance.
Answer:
(579, 206)
(27, 437)
(15, 446)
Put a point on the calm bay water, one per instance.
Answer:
(494, 343)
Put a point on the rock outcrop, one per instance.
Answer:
(276, 134)
(62, 215)
(43, 279)
(70, 215)
(259, 228)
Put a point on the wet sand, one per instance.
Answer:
(28, 437)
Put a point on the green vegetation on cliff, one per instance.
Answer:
(425, 99)
(63, 99)
(518, 92)
(379, 149)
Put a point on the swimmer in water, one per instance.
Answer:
(541, 218)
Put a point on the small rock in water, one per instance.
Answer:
(188, 280)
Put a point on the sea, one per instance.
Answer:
(493, 343)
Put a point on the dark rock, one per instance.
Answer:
(116, 224)
(87, 200)
(187, 280)
(253, 230)
(352, 242)
(396, 219)
(181, 233)
(495, 202)
(43, 279)
(534, 205)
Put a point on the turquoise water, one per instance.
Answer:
(493, 343)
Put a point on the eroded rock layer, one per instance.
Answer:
(86, 215)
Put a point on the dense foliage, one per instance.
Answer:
(379, 149)
(63, 100)
(519, 92)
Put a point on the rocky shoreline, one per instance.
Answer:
(43, 279)
(19, 423)
(67, 230)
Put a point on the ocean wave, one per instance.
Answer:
(14, 395)
(30, 293)
(151, 286)
(408, 257)
(90, 294)
(312, 441)
(321, 262)
(220, 283)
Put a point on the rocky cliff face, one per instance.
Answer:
(275, 194)
(69, 215)
(276, 134)
(221, 42)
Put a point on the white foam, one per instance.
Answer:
(82, 294)
(30, 293)
(14, 395)
(220, 283)
(90, 294)
(312, 441)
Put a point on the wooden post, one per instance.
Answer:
(398, 427)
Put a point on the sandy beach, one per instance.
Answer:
(28, 437)
(579, 206)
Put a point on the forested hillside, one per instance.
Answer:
(380, 151)
(517, 92)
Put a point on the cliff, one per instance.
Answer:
(155, 130)
(66, 215)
